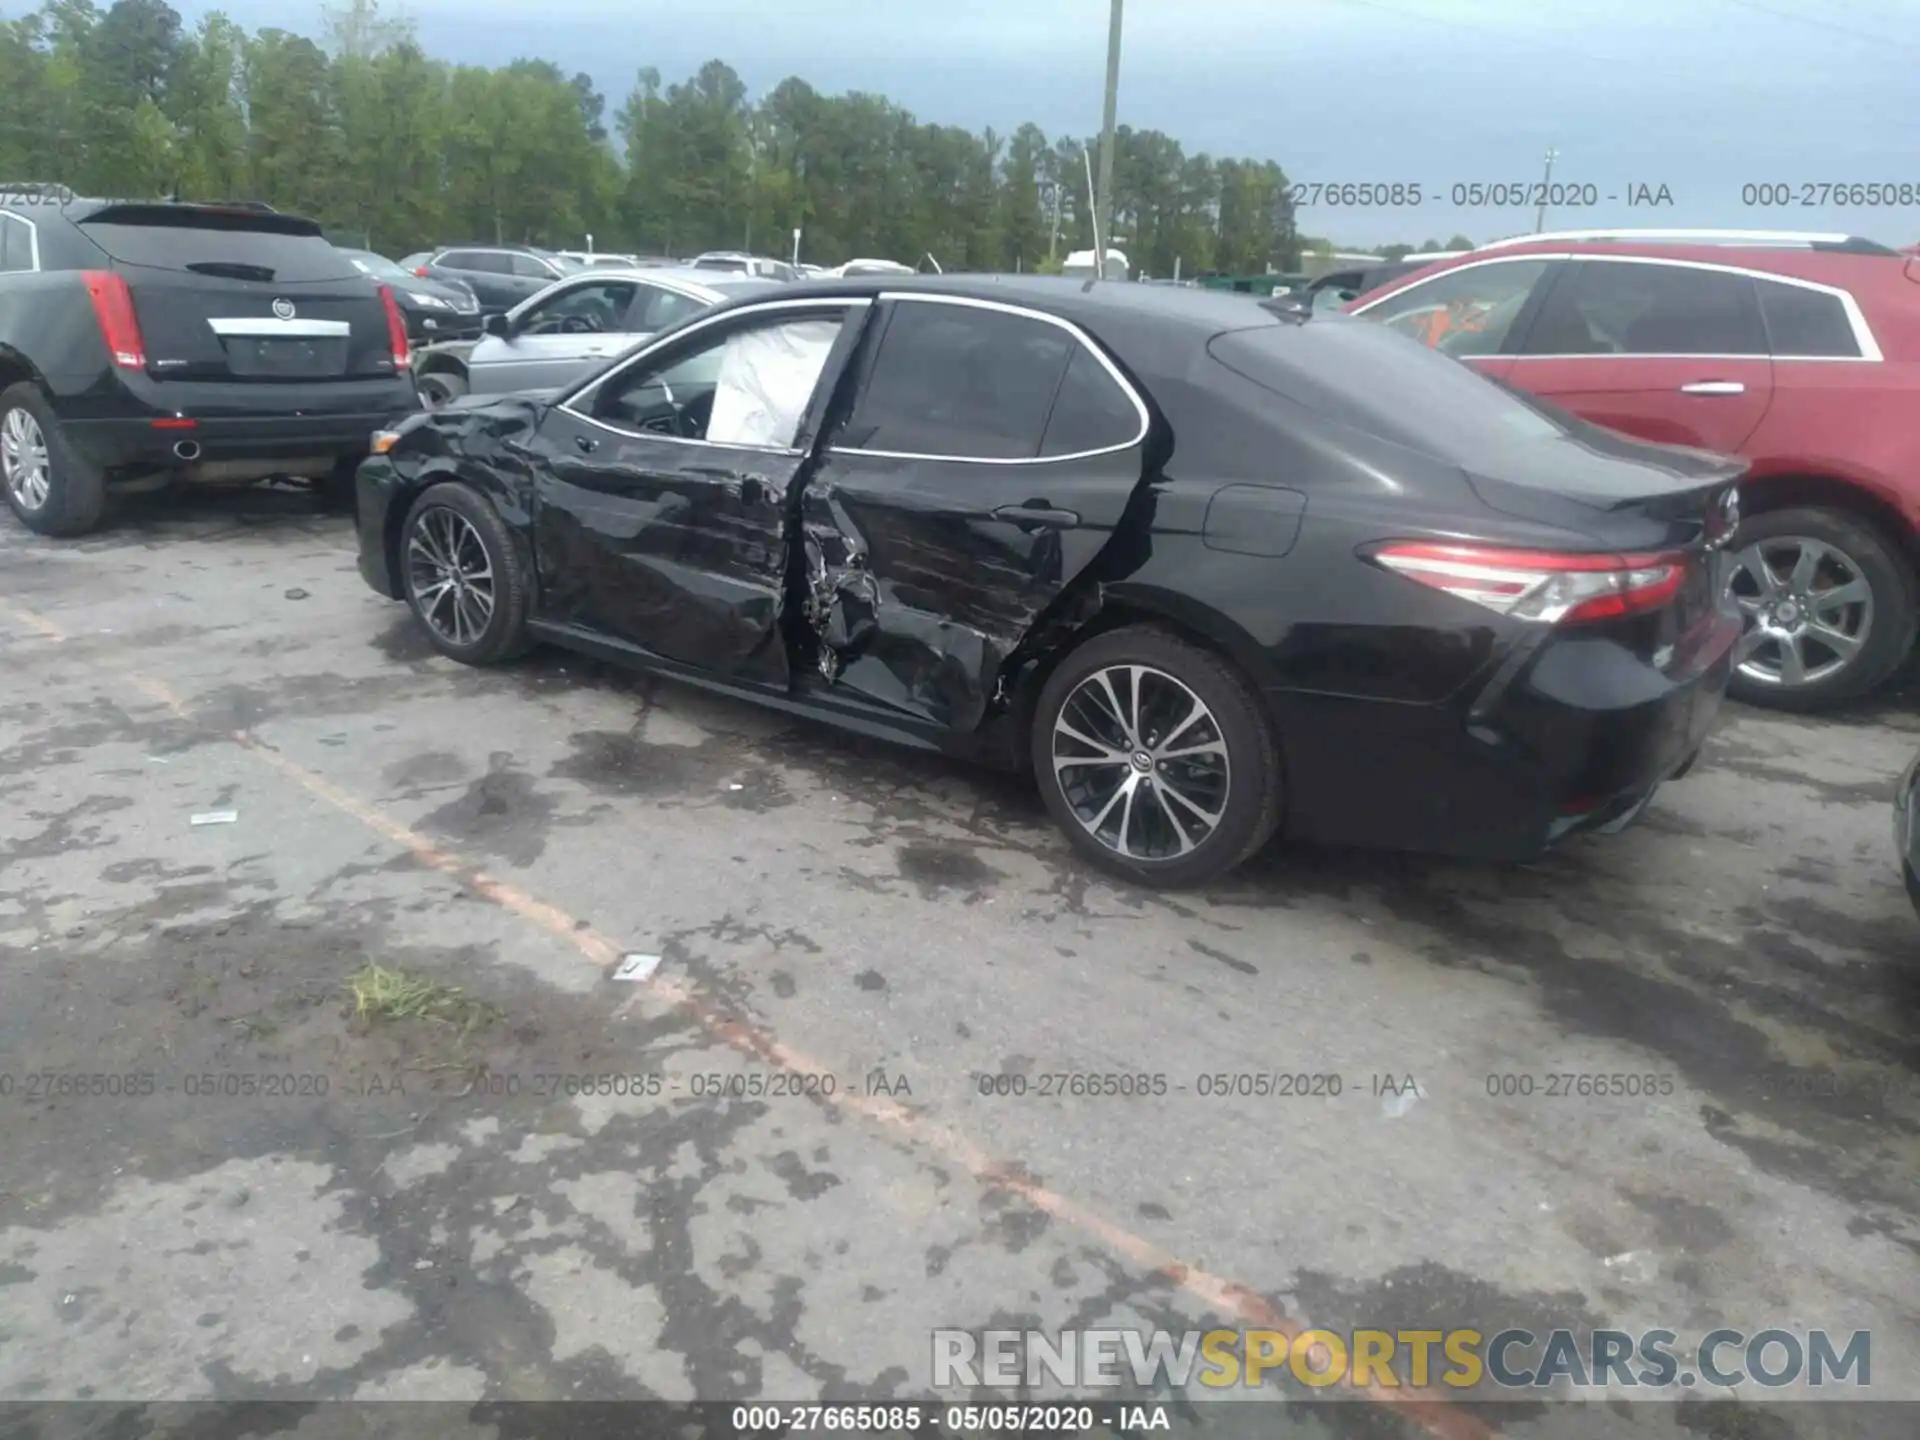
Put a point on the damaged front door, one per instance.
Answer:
(662, 490)
(986, 460)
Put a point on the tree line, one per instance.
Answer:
(364, 131)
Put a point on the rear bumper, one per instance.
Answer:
(241, 422)
(1579, 742)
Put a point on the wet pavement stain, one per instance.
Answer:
(934, 868)
(870, 980)
(502, 813)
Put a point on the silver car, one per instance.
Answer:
(582, 321)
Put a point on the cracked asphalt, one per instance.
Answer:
(590, 1188)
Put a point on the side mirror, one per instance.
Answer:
(497, 326)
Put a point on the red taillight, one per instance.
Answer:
(421, 271)
(396, 328)
(1552, 587)
(119, 326)
(175, 422)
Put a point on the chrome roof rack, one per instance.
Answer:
(1790, 239)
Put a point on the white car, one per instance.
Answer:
(572, 326)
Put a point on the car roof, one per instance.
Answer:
(1152, 328)
(1824, 266)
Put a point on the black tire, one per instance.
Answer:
(1251, 781)
(1889, 633)
(504, 634)
(76, 488)
(339, 488)
(437, 387)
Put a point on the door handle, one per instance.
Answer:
(585, 444)
(1031, 514)
(1714, 387)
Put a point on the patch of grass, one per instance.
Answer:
(381, 992)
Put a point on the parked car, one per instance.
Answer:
(434, 310)
(1800, 353)
(143, 342)
(734, 260)
(1906, 830)
(1343, 287)
(872, 267)
(570, 327)
(1208, 568)
(501, 276)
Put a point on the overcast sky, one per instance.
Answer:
(1700, 96)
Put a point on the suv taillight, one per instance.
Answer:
(119, 326)
(396, 328)
(1551, 587)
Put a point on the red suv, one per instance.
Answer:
(1798, 352)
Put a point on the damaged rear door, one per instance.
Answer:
(663, 489)
(986, 457)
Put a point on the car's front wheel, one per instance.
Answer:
(1829, 608)
(1156, 758)
(463, 577)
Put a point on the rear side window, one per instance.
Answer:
(484, 262)
(1091, 411)
(228, 250)
(1612, 307)
(531, 267)
(959, 382)
(656, 309)
(1366, 377)
(16, 244)
(1808, 324)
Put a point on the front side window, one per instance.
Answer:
(1464, 312)
(1614, 307)
(581, 310)
(1806, 324)
(748, 385)
(532, 267)
(960, 382)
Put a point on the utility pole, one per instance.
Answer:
(1103, 227)
(1053, 241)
(1540, 223)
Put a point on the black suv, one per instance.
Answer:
(142, 341)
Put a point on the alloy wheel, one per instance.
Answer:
(1142, 762)
(449, 576)
(1807, 606)
(23, 459)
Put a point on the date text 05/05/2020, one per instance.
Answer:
(1476, 194)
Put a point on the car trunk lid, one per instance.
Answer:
(237, 294)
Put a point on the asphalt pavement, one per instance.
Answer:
(841, 1110)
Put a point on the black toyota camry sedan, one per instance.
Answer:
(1210, 568)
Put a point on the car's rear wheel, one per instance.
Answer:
(1156, 758)
(1829, 608)
(53, 488)
(463, 577)
(439, 387)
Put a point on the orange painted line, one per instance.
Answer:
(1436, 1414)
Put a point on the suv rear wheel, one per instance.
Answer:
(1829, 606)
(437, 387)
(52, 487)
